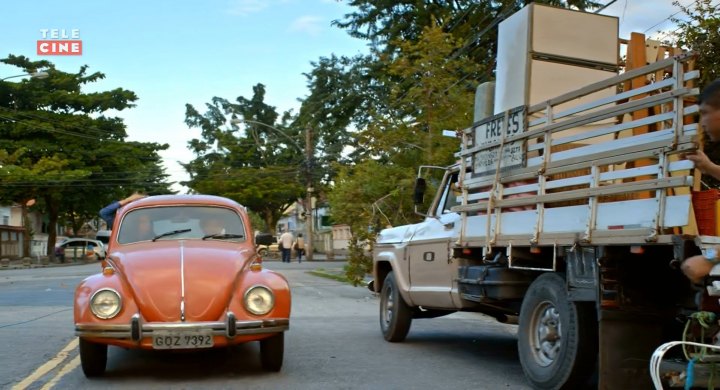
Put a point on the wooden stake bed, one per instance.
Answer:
(541, 175)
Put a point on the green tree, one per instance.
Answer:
(367, 197)
(333, 106)
(260, 165)
(699, 31)
(57, 145)
(394, 145)
(385, 23)
(435, 102)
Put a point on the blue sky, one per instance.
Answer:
(175, 52)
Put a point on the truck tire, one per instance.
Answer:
(395, 314)
(557, 338)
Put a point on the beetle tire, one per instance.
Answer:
(93, 358)
(271, 352)
(557, 338)
(395, 314)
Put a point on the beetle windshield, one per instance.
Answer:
(185, 222)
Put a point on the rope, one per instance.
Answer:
(705, 319)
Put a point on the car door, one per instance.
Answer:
(432, 268)
(75, 250)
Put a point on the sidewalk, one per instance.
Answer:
(322, 257)
(43, 262)
(35, 262)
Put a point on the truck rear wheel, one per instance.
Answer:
(557, 338)
(395, 314)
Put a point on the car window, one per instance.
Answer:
(180, 222)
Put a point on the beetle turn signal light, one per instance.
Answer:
(256, 265)
(108, 271)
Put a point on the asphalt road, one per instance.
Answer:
(334, 342)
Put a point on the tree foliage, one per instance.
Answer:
(258, 164)
(57, 146)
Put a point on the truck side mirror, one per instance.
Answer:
(419, 192)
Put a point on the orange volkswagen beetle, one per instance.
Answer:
(181, 273)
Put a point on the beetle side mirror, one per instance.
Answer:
(419, 191)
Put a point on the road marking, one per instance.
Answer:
(47, 367)
(72, 364)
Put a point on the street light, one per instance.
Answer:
(33, 75)
(308, 177)
(236, 121)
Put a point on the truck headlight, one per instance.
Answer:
(105, 303)
(259, 300)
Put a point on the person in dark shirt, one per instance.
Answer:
(697, 267)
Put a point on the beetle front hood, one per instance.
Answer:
(158, 271)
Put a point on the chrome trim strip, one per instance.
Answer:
(217, 328)
(182, 280)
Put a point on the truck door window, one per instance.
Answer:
(449, 196)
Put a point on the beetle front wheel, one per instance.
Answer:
(271, 352)
(93, 358)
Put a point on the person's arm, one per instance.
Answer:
(698, 267)
(703, 163)
(107, 213)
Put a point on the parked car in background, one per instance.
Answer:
(74, 249)
(103, 236)
(269, 251)
(182, 273)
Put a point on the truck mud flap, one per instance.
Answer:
(582, 273)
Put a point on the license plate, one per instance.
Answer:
(182, 339)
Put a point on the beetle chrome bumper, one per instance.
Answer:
(136, 330)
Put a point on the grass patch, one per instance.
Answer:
(328, 275)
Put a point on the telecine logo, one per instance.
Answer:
(59, 42)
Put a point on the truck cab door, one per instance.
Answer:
(432, 268)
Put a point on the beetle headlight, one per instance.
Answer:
(259, 300)
(105, 303)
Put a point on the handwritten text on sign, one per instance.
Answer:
(490, 131)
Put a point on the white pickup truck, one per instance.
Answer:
(570, 220)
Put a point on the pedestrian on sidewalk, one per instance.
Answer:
(286, 243)
(299, 247)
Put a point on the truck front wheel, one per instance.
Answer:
(395, 314)
(557, 338)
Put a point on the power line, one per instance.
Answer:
(694, 3)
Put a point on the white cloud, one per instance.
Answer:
(311, 25)
(246, 7)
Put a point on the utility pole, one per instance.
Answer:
(308, 197)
